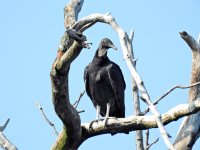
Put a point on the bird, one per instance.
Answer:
(104, 83)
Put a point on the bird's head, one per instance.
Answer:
(104, 45)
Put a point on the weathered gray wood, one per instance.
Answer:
(132, 123)
(71, 133)
(2, 128)
(137, 111)
(5, 143)
(189, 131)
(136, 100)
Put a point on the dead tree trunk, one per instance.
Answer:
(190, 129)
(73, 133)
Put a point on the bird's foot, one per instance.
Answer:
(91, 123)
(106, 119)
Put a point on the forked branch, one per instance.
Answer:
(168, 92)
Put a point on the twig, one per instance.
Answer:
(131, 36)
(48, 121)
(2, 128)
(169, 91)
(78, 100)
(147, 139)
(147, 146)
(81, 111)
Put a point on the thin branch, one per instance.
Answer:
(78, 100)
(168, 92)
(47, 120)
(131, 36)
(2, 128)
(136, 101)
(147, 148)
(147, 145)
(147, 139)
(5, 143)
(81, 111)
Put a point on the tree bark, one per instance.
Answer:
(73, 133)
(70, 135)
(4, 142)
(133, 123)
(136, 99)
(190, 129)
(66, 112)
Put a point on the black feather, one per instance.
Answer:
(104, 82)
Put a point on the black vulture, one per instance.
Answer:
(104, 83)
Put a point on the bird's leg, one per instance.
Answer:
(97, 116)
(98, 112)
(107, 114)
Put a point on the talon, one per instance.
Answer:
(90, 125)
(106, 120)
(86, 44)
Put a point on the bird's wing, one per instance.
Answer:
(86, 80)
(118, 84)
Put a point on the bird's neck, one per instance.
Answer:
(100, 60)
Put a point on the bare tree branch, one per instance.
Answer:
(2, 128)
(73, 134)
(168, 92)
(4, 142)
(131, 35)
(47, 120)
(192, 43)
(189, 129)
(147, 139)
(71, 11)
(132, 123)
(81, 111)
(79, 98)
(147, 145)
(136, 101)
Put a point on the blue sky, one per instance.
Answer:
(30, 33)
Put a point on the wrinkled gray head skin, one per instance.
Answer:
(104, 45)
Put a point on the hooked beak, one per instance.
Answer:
(112, 46)
(103, 51)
